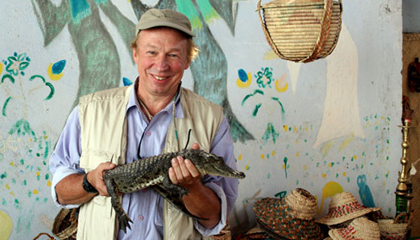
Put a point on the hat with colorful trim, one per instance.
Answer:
(291, 217)
(344, 207)
(359, 229)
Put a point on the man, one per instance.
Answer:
(127, 124)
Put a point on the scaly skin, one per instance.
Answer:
(153, 172)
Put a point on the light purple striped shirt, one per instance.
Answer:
(145, 207)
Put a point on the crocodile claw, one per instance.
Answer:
(124, 222)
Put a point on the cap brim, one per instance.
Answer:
(154, 24)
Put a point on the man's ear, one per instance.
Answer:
(135, 55)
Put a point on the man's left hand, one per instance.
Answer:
(183, 172)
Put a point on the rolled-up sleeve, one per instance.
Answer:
(225, 188)
(64, 160)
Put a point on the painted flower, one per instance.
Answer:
(264, 77)
(17, 63)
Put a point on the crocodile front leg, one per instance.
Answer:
(123, 218)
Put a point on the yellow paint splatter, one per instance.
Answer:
(12, 164)
(49, 183)
(329, 190)
(326, 148)
(297, 154)
(354, 157)
(246, 84)
(38, 173)
(7, 186)
(53, 77)
(35, 191)
(284, 166)
(273, 153)
(1, 68)
(240, 157)
(344, 174)
(247, 167)
(285, 128)
(324, 175)
(270, 55)
(12, 193)
(346, 142)
(6, 224)
(305, 167)
(281, 84)
(295, 128)
(330, 164)
(262, 156)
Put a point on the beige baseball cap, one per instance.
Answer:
(164, 18)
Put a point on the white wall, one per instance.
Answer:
(339, 130)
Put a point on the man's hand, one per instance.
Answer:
(96, 177)
(70, 189)
(183, 172)
(201, 201)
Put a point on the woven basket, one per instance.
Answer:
(301, 30)
(65, 224)
(393, 229)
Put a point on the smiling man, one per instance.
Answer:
(153, 116)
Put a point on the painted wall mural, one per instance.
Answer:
(328, 126)
(24, 150)
(98, 55)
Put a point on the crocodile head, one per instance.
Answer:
(211, 164)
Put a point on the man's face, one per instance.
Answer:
(161, 58)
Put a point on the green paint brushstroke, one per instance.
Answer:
(207, 10)
(188, 9)
(251, 95)
(285, 165)
(257, 107)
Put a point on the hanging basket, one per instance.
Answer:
(301, 30)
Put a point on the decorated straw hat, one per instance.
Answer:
(360, 228)
(291, 217)
(344, 207)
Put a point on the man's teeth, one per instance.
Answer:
(159, 78)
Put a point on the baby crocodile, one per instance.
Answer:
(153, 172)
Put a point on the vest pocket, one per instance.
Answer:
(103, 205)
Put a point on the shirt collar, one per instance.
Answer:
(133, 102)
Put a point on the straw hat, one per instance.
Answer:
(360, 228)
(291, 217)
(344, 207)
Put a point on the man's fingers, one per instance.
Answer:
(193, 171)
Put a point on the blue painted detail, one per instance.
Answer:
(243, 76)
(127, 82)
(58, 67)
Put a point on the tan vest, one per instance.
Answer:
(103, 128)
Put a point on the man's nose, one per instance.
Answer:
(162, 62)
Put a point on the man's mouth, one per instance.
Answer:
(159, 78)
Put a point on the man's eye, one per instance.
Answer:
(151, 52)
(173, 55)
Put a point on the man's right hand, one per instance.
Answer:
(70, 189)
(96, 177)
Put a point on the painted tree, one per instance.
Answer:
(99, 63)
